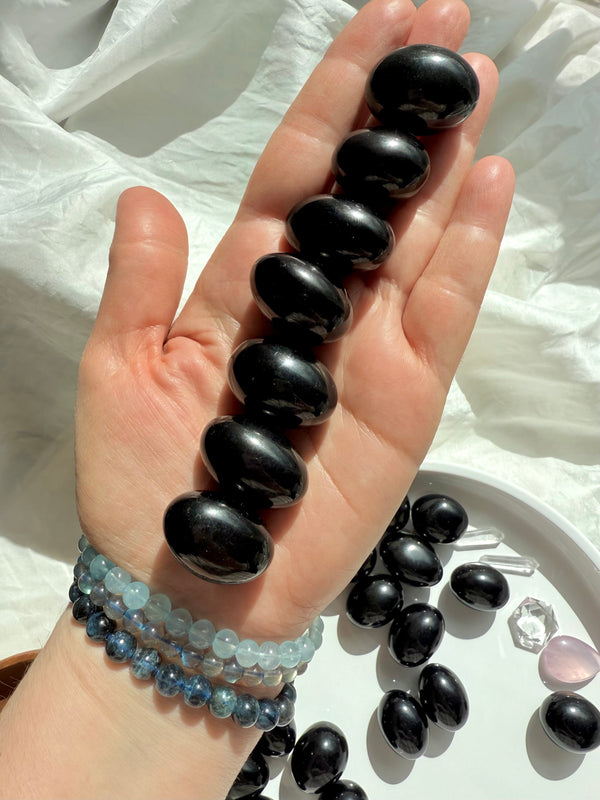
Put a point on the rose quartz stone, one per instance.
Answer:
(568, 660)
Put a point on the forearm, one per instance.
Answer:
(137, 743)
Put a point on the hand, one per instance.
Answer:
(149, 383)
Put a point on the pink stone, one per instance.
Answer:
(567, 660)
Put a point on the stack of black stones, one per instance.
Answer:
(415, 91)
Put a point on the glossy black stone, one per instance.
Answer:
(343, 790)
(480, 586)
(403, 723)
(416, 634)
(373, 601)
(571, 721)
(439, 518)
(248, 458)
(410, 559)
(83, 608)
(380, 165)
(319, 757)
(366, 567)
(401, 517)
(339, 233)
(216, 541)
(251, 779)
(443, 697)
(422, 88)
(278, 742)
(288, 690)
(299, 299)
(282, 382)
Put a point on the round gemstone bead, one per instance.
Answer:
(268, 715)
(272, 677)
(225, 643)
(86, 583)
(222, 702)
(248, 458)
(88, 555)
(169, 680)
(197, 691)
(114, 607)
(247, 653)
(151, 634)
(252, 676)
(279, 741)
(246, 710)
(83, 608)
(79, 569)
(290, 654)
(99, 595)
(178, 622)
(232, 671)
(212, 665)
(144, 663)
(136, 594)
(158, 608)
(282, 382)
(317, 624)
(191, 658)
(315, 637)
(74, 592)
(82, 543)
(201, 634)
(269, 656)
(133, 620)
(289, 674)
(120, 646)
(285, 709)
(99, 567)
(288, 690)
(116, 580)
(216, 541)
(99, 626)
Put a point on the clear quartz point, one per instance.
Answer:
(513, 565)
(532, 624)
(475, 538)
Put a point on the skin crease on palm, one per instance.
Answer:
(150, 380)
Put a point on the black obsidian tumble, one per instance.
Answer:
(411, 559)
(319, 757)
(416, 633)
(254, 461)
(379, 165)
(571, 722)
(282, 382)
(422, 88)
(439, 518)
(343, 790)
(443, 697)
(299, 299)
(403, 723)
(338, 233)
(373, 601)
(480, 586)
(251, 779)
(216, 541)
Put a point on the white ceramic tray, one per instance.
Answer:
(502, 752)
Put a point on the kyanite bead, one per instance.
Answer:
(247, 653)
(285, 708)
(100, 566)
(225, 643)
(169, 680)
(201, 634)
(120, 646)
(178, 622)
(283, 382)
(257, 462)
(99, 626)
(158, 608)
(222, 701)
(216, 541)
(246, 710)
(268, 715)
(338, 233)
(422, 88)
(136, 594)
(145, 663)
(88, 555)
(83, 608)
(74, 592)
(298, 298)
(196, 691)
(290, 654)
(567, 660)
(116, 580)
(232, 671)
(269, 656)
(212, 665)
(86, 583)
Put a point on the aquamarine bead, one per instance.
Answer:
(201, 634)
(116, 580)
(145, 663)
(100, 566)
(120, 646)
(191, 658)
(197, 691)
(212, 665)
(158, 608)
(178, 623)
(317, 624)
(290, 654)
(269, 656)
(82, 543)
(79, 569)
(247, 653)
(136, 594)
(272, 677)
(268, 715)
(315, 636)
(232, 671)
(307, 649)
(114, 607)
(222, 702)
(224, 643)
(133, 618)
(86, 583)
(246, 711)
(169, 680)
(88, 555)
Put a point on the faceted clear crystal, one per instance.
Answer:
(532, 624)
(475, 538)
(513, 565)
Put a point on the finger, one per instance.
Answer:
(147, 267)
(444, 303)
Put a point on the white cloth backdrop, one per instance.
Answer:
(182, 95)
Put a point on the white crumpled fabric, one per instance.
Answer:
(182, 95)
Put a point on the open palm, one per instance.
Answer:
(149, 383)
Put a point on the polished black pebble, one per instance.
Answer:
(83, 608)
(216, 541)
(571, 722)
(343, 790)
(251, 779)
(339, 233)
(403, 723)
(422, 88)
(416, 634)
(249, 458)
(401, 517)
(374, 601)
(319, 757)
(480, 586)
(278, 742)
(366, 567)
(410, 559)
(443, 697)
(380, 165)
(439, 518)
(299, 299)
(282, 382)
